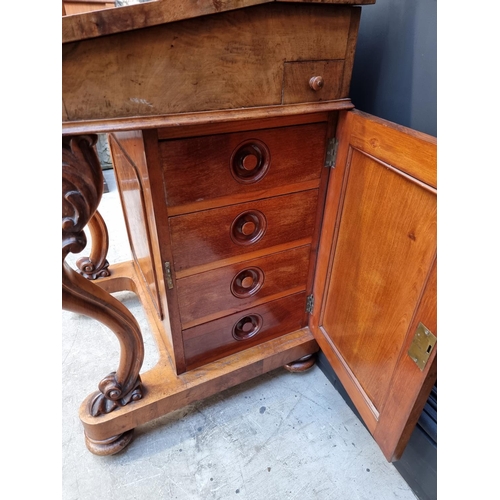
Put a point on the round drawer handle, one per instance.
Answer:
(250, 161)
(247, 282)
(248, 227)
(247, 327)
(316, 83)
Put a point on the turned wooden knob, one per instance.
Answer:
(247, 327)
(316, 83)
(250, 162)
(248, 228)
(247, 282)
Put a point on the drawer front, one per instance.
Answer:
(212, 235)
(236, 332)
(228, 289)
(312, 81)
(203, 168)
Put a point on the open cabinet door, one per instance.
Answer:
(375, 289)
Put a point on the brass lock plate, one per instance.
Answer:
(421, 348)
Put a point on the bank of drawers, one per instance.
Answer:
(242, 209)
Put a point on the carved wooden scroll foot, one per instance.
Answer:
(109, 446)
(95, 265)
(81, 192)
(301, 365)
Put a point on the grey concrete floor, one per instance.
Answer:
(280, 436)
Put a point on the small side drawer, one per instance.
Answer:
(204, 168)
(232, 288)
(312, 81)
(237, 332)
(216, 234)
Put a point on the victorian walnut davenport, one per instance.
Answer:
(267, 218)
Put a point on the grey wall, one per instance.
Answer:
(394, 75)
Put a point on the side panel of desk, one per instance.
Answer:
(259, 56)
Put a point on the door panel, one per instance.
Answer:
(376, 262)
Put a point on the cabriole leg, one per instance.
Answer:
(81, 193)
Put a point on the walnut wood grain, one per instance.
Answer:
(215, 339)
(230, 60)
(206, 236)
(350, 49)
(292, 112)
(234, 70)
(212, 292)
(96, 265)
(161, 11)
(299, 87)
(202, 168)
(81, 192)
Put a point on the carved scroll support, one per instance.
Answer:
(96, 265)
(82, 186)
(301, 365)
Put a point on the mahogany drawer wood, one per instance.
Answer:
(216, 339)
(232, 288)
(203, 168)
(220, 233)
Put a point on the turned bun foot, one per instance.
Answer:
(109, 446)
(301, 365)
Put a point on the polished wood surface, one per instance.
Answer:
(258, 115)
(203, 168)
(211, 235)
(410, 388)
(323, 77)
(127, 150)
(232, 60)
(166, 390)
(96, 265)
(147, 14)
(219, 128)
(242, 125)
(419, 150)
(235, 332)
(233, 288)
(261, 249)
(82, 188)
(380, 253)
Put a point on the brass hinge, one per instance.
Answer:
(422, 345)
(310, 304)
(331, 153)
(168, 275)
